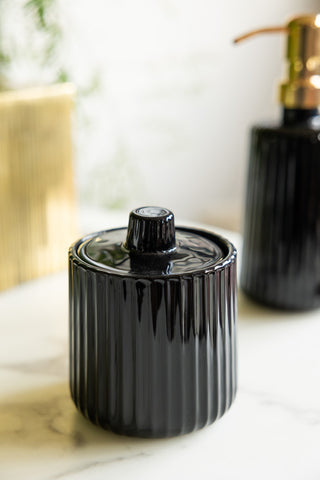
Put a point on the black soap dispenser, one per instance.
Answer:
(281, 239)
(152, 326)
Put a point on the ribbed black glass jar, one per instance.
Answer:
(152, 326)
(281, 238)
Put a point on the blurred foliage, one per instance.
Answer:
(44, 18)
(42, 14)
(45, 43)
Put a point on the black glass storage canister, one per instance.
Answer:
(152, 326)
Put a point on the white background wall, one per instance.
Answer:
(169, 122)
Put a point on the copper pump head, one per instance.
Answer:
(302, 88)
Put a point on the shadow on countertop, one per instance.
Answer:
(46, 419)
(250, 311)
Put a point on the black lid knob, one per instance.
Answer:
(151, 230)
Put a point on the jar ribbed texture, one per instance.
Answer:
(159, 357)
(281, 254)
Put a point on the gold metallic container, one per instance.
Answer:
(37, 211)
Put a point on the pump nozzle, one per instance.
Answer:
(253, 33)
(302, 89)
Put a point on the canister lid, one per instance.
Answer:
(152, 245)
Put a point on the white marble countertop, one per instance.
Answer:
(271, 431)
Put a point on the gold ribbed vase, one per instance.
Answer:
(37, 218)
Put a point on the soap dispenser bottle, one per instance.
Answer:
(281, 239)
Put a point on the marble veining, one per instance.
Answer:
(92, 465)
(308, 416)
